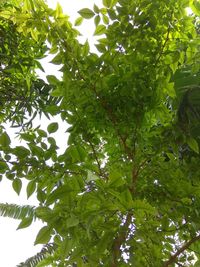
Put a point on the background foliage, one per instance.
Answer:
(126, 190)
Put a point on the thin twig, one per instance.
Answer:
(96, 158)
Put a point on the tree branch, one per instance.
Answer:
(120, 239)
(113, 120)
(174, 257)
(96, 158)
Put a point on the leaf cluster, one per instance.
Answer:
(128, 181)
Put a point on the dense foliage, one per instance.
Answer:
(126, 191)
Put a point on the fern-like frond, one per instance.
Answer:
(16, 211)
(46, 251)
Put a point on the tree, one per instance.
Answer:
(126, 190)
(21, 90)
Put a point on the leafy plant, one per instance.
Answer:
(125, 192)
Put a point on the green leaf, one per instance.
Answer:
(52, 127)
(59, 11)
(195, 6)
(101, 48)
(107, 3)
(5, 139)
(36, 150)
(193, 144)
(78, 21)
(52, 141)
(100, 29)
(28, 137)
(73, 153)
(39, 66)
(59, 193)
(85, 49)
(112, 15)
(115, 179)
(43, 235)
(52, 79)
(25, 223)
(44, 145)
(96, 9)
(44, 213)
(105, 19)
(30, 189)
(57, 60)
(42, 133)
(82, 152)
(53, 50)
(97, 20)
(86, 13)
(66, 247)
(41, 196)
(56, 93)
(34, 35)
(3, 166)
(10, 176)
(17, 185)
(72, 221)
(21, 152)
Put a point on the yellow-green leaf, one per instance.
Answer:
(78, 21)
(96, 9)
(107, 3)
(43, 235)
(100, 29)
(86, 13)
(59, 11)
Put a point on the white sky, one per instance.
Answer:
(17, 246)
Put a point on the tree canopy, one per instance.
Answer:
(126, 191)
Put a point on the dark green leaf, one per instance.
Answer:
(17, 185)
(21, 152)
(3, 166)
(4, 139)
(42, 133)
(52, 127)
